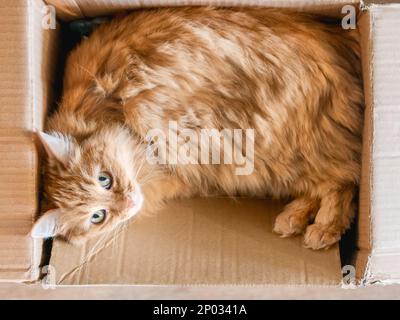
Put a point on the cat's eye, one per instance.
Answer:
(98, 216)
(105, 180)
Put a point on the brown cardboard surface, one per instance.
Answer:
(17, 200)
(24, 79)
(198, 241)
(73, 9)
(17, 160)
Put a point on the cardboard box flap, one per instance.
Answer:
(199, 241)
(24, 79)
(384, 261)
(73, 9)
(17, 166)
(364, 210)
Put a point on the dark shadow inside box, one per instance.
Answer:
(68, 39)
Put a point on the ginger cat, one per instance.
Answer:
(292, 80)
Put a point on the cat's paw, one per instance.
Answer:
(318, 236)
(290, 223)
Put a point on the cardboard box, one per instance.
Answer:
(212, 241)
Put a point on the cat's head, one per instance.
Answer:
(91, 185)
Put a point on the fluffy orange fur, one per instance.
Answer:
(294, 80)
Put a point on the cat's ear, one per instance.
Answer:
(46, 226)
(57, 146)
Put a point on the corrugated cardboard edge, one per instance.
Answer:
(40, 67)
(75, 9)
(66, 10)
(367, 260)
(31, 38)
(364, 241)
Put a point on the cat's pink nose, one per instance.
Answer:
(129, 202)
